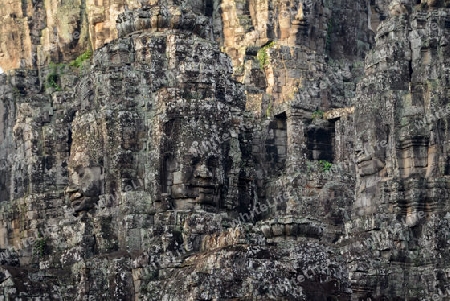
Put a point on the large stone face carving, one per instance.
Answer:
(85, 162)
(400, 123)
(195, 163)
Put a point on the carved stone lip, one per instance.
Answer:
(364, 162)
(362, 158)
(70, 190)
(75, 196)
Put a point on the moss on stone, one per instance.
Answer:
(81, 58)
(263, 56)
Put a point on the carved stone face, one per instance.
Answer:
(362, 150)
(170, 138)
(85, 187)
(191, 174)
(85, 170)
(370, 147)
(200, 179)
(159, 14)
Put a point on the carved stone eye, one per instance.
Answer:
(195, 161)
(79, 171)
(212, 163)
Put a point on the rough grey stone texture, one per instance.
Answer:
(165, 169)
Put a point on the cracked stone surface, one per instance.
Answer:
(232, 150)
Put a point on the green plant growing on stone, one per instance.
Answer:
(16, 92)
(81, 58)
(52, 81)
(52, 78)
(330, 26)
(269, 108)
(326, 166)
(263, 56)
(317, 114)
(39, 246)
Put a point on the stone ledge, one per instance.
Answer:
(337, 113)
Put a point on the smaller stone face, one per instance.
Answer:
(165, 17)
(85, 169)
(85, 187)
(364, 155)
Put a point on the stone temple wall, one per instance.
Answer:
(224, 150)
